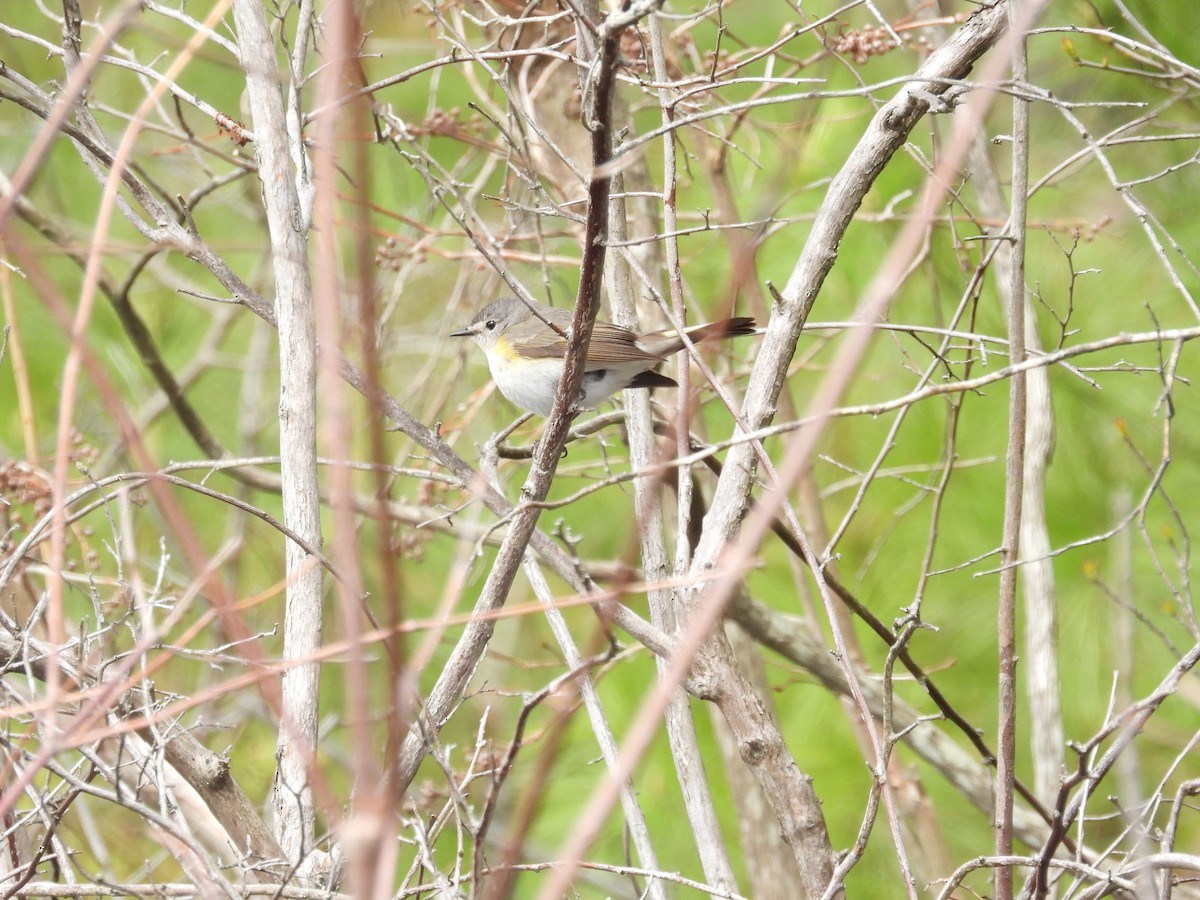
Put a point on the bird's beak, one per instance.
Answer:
(462, 332)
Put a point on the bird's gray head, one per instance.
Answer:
(493, 320)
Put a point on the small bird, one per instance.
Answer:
(526, 355)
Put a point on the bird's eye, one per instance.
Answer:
(491, 325)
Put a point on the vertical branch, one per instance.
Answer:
(1014, 469)
(1122, 648)
(670, 225)
(647, 490)
(292, 799)
(1037, 578)
(680, 727)
(771, 870)
(467, 652)
(367, 834)
(294, 113)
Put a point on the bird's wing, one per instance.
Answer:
(610, 344)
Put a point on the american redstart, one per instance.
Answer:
(526, 352)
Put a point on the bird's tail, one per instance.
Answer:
(664, 343)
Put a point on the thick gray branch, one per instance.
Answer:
(297, 425)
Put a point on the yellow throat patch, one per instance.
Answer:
(505, 350)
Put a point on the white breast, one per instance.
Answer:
(530, 384)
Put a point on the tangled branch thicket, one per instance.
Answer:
(891, 599)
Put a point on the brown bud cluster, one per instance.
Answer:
(26, 491)
(394, 252)
(860, 44)
(22, 485)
